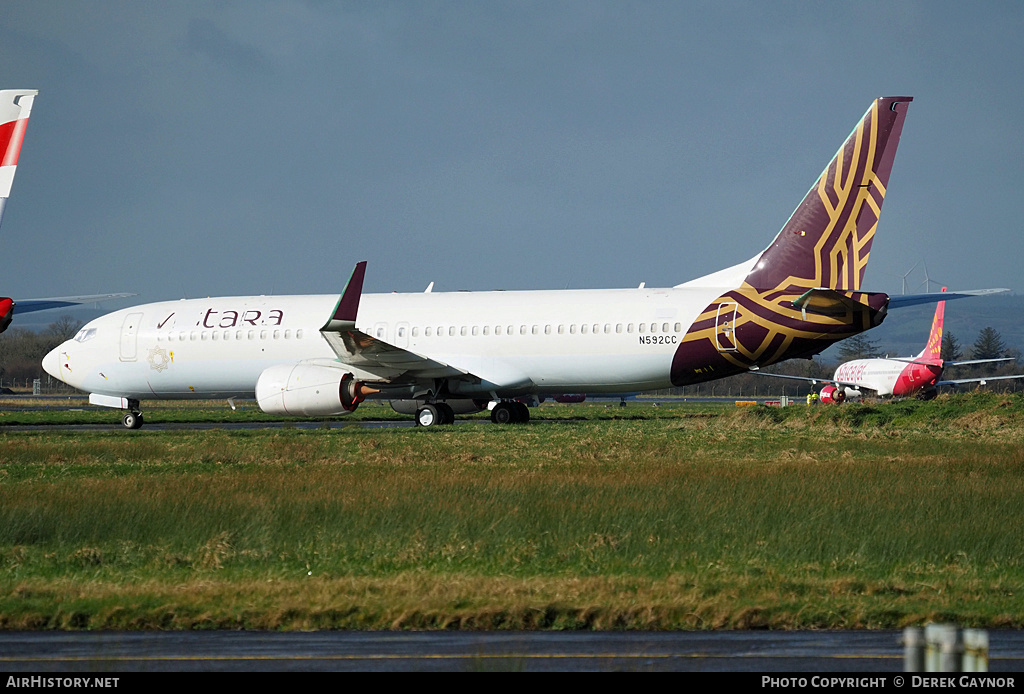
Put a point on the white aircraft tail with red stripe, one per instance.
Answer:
(15, 107)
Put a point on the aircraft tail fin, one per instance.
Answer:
(932, 353)
(826, 242)
(15, 107)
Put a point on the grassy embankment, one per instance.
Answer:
(851, 517)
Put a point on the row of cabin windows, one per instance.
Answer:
(214, 335)
(573, 329)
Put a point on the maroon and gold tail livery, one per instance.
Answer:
(803, 293)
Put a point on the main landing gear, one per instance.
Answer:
(505, 412)
(435, 413)
(510, 412)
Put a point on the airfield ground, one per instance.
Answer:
(592, 516)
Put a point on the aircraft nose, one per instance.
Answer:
(51, 363)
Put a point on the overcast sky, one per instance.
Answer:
(185, 149)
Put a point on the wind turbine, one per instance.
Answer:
(907, 273)
(927, 280)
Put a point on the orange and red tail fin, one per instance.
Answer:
(933, 350)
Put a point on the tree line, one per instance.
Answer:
(22, 351)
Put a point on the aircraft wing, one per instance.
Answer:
(904, 300)
(7, 305)
(978, 361)
(371, 354)
(812, 379)
(361, 350)
(980, 381)
(30, 305)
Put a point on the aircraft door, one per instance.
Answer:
(129, 336)
(725, 327)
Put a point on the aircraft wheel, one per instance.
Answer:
(522, 412)
(428, 416)
(132, 420)
(446, 413)
(504, 413)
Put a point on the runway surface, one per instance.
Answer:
(729, 651)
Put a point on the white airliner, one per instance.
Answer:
(917, 376)
(15, 108)
(463, 351)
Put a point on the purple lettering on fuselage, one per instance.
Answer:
(211, 318)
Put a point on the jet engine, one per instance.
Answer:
(832, 394)
(309, 390)
(6, 313)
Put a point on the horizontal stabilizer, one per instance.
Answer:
(904, 300)
(828, 302)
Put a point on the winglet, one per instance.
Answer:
(15, 107)
(348, 305)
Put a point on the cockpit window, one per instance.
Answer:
(85, 334)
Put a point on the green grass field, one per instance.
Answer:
(682, 517)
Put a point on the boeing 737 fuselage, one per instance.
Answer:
(321, 355)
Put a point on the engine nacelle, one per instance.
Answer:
(309, 390)
(6, 312)
(832, 394)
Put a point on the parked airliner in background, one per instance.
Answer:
(901, 377)
(15, 108)
(463, 351)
